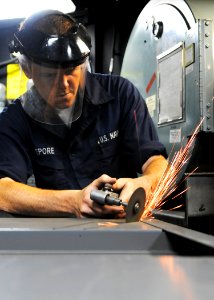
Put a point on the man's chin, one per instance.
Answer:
(64, 104)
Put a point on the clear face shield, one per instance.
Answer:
(56, 97)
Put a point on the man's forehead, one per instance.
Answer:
(56, 69)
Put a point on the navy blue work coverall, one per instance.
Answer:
(114, 135)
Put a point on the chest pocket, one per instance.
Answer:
(50, 162)
(106, 151)
(103, 159)
(49, 172)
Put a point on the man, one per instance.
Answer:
(71, 128)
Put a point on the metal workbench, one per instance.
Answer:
(62, 258)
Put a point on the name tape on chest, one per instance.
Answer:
(107, 137)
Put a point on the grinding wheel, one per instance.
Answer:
(136, 205)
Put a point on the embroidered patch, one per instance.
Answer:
(45, 151)
(107, 137)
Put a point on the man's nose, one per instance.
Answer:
(64, 80)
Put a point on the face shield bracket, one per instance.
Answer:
(45, 46)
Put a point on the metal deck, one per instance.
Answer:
(62, 258)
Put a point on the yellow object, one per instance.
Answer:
(16, 82)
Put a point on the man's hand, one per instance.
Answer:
(90, 208)
(127, 186)
(152, 170)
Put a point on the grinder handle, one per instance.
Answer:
(104, 197)
(98, 196)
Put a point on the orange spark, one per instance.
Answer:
(168, 182)
(107, 224)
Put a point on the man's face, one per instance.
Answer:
(58, 86)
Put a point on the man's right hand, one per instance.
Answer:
(89, 207)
